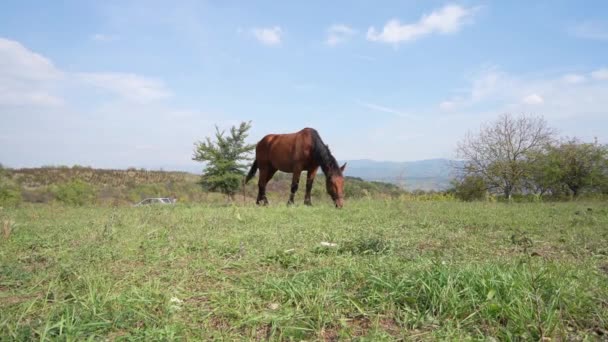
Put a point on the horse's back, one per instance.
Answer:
(286, 138)
(286, 152)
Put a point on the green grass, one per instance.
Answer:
(400, 270)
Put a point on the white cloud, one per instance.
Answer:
(268, 35)
(574, 78)
(129, 86)
(145, 147)
(384, 109)
(100, 37)
(590, 30)
(448, 19)
(447, 105)
(17, 61)
(27, 78)
(31, 97)
(533, 99)
(600, 74)
(498, 91)
(337, 34)
(487, 83)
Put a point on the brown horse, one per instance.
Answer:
(294, 153)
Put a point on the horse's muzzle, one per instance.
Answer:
(339, 203)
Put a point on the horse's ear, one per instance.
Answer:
(343, 167)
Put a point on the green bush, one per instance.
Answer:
(75, 192)
(469, 188)
(10, 196)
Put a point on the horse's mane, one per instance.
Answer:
(323, 156)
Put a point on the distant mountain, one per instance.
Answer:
(431, 174)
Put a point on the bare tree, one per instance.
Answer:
(501, 151)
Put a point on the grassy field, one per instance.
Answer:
(399, 271)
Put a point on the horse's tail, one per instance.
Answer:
(252, 171)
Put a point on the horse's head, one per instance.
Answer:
(335, 187)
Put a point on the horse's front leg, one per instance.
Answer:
(310, 178)
(295, 180)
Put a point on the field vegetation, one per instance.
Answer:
(388, 269)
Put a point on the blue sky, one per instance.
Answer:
(136, 83)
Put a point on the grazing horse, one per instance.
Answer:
(294, 153)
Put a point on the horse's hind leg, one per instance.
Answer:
(265, 176)
(295, 180)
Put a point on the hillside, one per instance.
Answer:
(44, 176)
(121, 187)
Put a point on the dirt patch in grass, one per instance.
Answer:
(390, 326)
(14, 300)
(329, 334)
(200, 302)
(122, 267)
(420, 334)
(219, 323)
(35, 262)
(360, 326)
(116, 335)
(429, 245)
(263, 333)
(548, 252)
(182, 263)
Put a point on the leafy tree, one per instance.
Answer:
(603, 186)
(500, 152)
(469, 188)
(224, 171)
(576, 165)
(544, 174)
